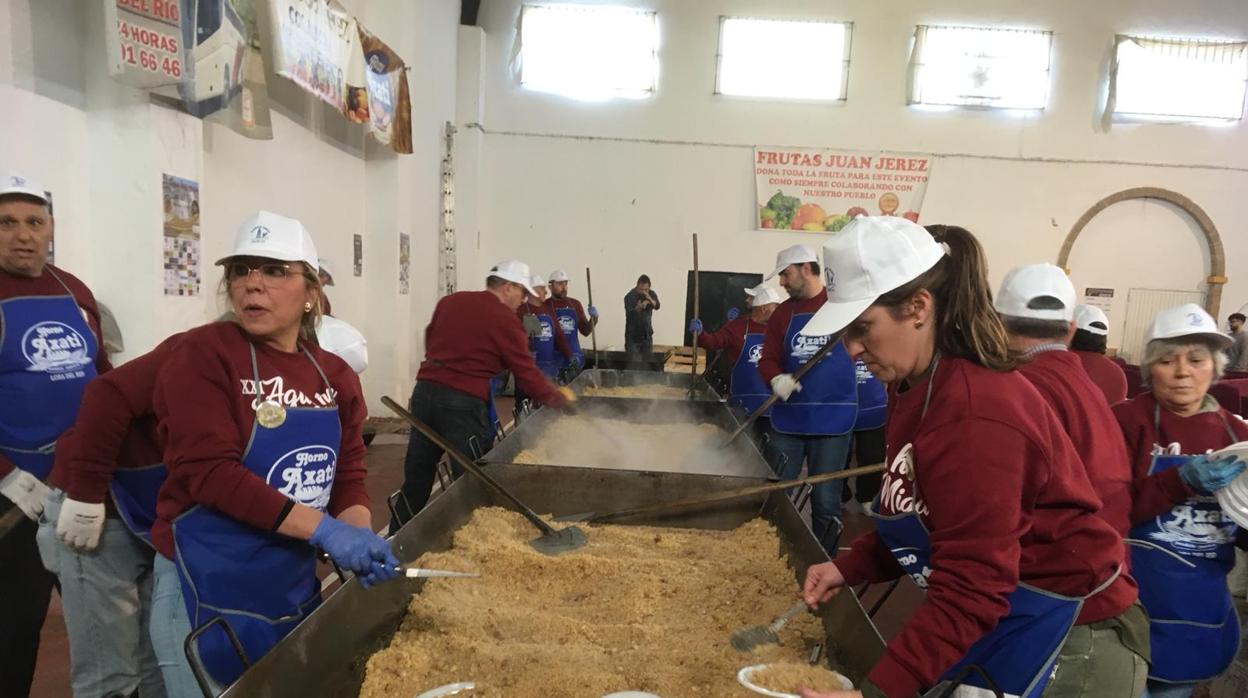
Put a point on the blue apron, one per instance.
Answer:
(542, 346)
(872, 400)
(827, 404)
(134, 492)
(47, 356)
(263, 583)
(747, 388)
(1180, 560)
(567, 324)
(1020, 652)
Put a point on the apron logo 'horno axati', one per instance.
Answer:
(805, 347)
(54, 347)
(567, 324)
(305, 475)
(756, 353)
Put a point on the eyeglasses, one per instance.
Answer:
(270, 272)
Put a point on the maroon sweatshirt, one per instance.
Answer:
(774, 352)
(731, 337)
(583, 323)
(1087, 419)
(46, 284)
(1202, 432)
(561, 341)
(203, 401)
(471, 338)
(116, 427)
(1006, 500)
(1105, 374)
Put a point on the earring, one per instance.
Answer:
(307, 307)
(918, 324)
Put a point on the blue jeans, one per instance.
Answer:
(106, 596)
(170, 626)
(1161, 689)
(822, 454)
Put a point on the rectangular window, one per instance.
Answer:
(980, 67)
(589, 51)
(783, 59)
(1176, 79)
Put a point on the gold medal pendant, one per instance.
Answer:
(270, 414)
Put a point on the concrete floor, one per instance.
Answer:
(385, 458)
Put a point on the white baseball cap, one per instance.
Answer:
(1187, 320)
(1024, 286)
(515, 272)
(1091, 319)
(14, 183)
(558, 275)
(271, 236)
(340, 338)
(327, 269)
(751, 292)
(871, 256)
(537, 281)
(766, 297)
(796, 254)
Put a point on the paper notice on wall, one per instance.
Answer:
(181, 236)
(358, 254)
(405, 263)
(389, 106)
(821, 190)
(317, 46)
(1102, 298)
(145, 41)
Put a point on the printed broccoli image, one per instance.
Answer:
(779, 211)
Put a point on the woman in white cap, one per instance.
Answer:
(548, 345)
(984, 504)
(742, 338)
(1089, 344)
(263, 446)
(1181, 542)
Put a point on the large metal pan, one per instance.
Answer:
(611, 378)
(742, 460)
(325, 655)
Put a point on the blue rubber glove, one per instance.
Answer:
(1207, 474)
(695, 325)
(358, 549)
(733, 314)
(593, 312)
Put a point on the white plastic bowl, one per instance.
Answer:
(747, 673)
(1234, 497)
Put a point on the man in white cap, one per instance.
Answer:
(741, 338)
(1237, 355)
(548, 346)
(49, 351)
(1089, 344)
(472, 337)
(1037, 306)
(572, 319)
(325, 272)
(812, 422)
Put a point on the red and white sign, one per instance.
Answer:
(145, 47)
(822, 190)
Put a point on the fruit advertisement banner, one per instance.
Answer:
(821, 190)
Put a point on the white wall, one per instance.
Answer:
(620, 185)
(101, 148)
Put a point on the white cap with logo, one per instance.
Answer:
(1091, 319)
(12, 183)
(536, 281)
(515, 272)
(271, 236)
(797, 254)
(327, 269)
(558, 275)
(767, 296)
(1187, 320)
(1024, 287)
(871, 256)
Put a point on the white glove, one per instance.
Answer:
(784, 386)
(80, 524)
(26, 491)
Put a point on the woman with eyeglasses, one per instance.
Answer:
(262, 431)
(985, 503)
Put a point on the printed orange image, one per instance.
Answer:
(809, 217)
(889, 203)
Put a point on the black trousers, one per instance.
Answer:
(868, 449)
(25, 590)
(461, 419)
